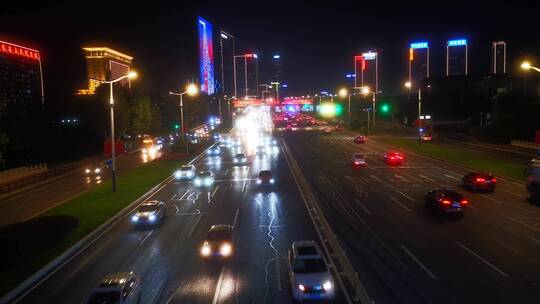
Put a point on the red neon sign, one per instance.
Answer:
(297, 101)
(17, 50)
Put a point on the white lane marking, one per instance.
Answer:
(405, 195)
(176, 291)
(236, 218)
(401, 177)
(504, 274)
(174, 195)
(452, 177)
(362, 206)
(226, 171)
(278, 275)
(472, 207)
(418, 262)
(182, 197)
(513, 193)
(146, 237)
(375, 178)
(524, 224)
(397, 201)
(536, 240)
(215, 190)
(159, 189)
(350, 179)
(427, 177)
(491, 199)
(244, 187)
(218, 286)
(197, 221)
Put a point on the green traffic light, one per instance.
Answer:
(385, 108)
(176, 126)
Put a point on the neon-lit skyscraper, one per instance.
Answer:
(206, 57)
(369, 73)
(21, 81)
(418, 62)
(498, 65)
(359, 67)
(457, 57)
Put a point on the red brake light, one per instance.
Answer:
(494, 180)
(480, 179)
(446, 202)
(464, 202)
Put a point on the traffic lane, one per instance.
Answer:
(383, 273)
(527, 244)
(121, 249)
(36, 200)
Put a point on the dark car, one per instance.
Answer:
(265, 178)
(218, 242)
(149, 213)
(394, 158)
(480, 181)
(360, 139)
(117, 288)
(446, 200)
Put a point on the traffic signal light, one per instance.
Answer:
(176, 126)
(385, 108)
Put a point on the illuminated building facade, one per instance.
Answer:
(105, 64)
(246, 76)
(418, 62)
(369, 70)
(21, 81)
(457, 57)
(499, 57)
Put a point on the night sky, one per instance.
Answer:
(316, 42)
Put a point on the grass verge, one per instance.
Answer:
(467, 157)
(38, 244)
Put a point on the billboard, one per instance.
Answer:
(206, 56)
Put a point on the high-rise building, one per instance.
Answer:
(226, 61)
(457, 57)
(246, 76)
(369, 72)
(21, 79)
(105, 64)
(418, 62)
(498, 65)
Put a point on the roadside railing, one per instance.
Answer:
(16, 173)
(342, 265)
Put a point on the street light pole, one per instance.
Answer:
(113, 150)
(373, 109)
(131, 74)
(419, 115)
(190, 90)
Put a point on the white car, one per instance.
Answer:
(240, 159)
(309, 275)
(204, 179)
(121, 288)
(185, 172)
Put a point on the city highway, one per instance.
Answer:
(405, 252)
(37, 199)
(167, 258)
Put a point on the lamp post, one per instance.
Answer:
(408, 85)
(130, 75)
(365, 91)
(191, 90)
(526, 65)
(343, 92)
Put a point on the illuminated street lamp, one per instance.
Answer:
(526, 65)
(130, 75)
(343, 92)
(366, 91)
(191, 90)
(408, 85)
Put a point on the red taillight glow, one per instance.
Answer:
(446, 202)
(494, 180)
(480, 179)
(464, 202)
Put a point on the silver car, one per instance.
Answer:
(185, 172)
(117, 288)
(309, 275)
(149, 213)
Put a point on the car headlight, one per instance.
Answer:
(271, 181)
(87, 171)
(152, 218)
(243, 160)
(197, 182)
(301, 287)
(235, 160)
(135, 218)
(205, 250)
(209, 152)
(177, 174)
(225, 249)
(327, 285)
(259, 181)
(208, 181)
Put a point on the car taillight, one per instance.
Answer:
(391, 157)
(494, 180)
(464, 202)
(446, 202)
(480, 179)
